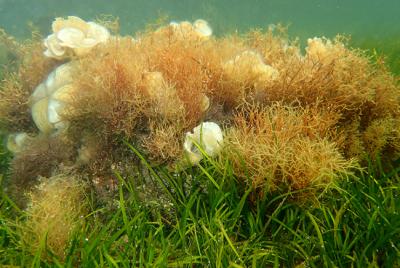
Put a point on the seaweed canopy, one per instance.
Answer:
(278, 147)
(17, 85)
(55, 211)
(334, 105)
(374, 131)
(331, 76)
(149, 91)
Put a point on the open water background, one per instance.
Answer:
(373, 24)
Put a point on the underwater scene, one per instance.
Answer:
(170, 133)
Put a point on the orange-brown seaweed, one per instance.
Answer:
(297, 119)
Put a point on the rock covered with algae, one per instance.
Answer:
(292, 120)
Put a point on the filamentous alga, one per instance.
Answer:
(283, 118)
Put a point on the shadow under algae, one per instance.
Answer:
(282, 119)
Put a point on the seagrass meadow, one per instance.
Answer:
(178, 147)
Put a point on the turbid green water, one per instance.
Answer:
(307, 17)
(371, 23)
